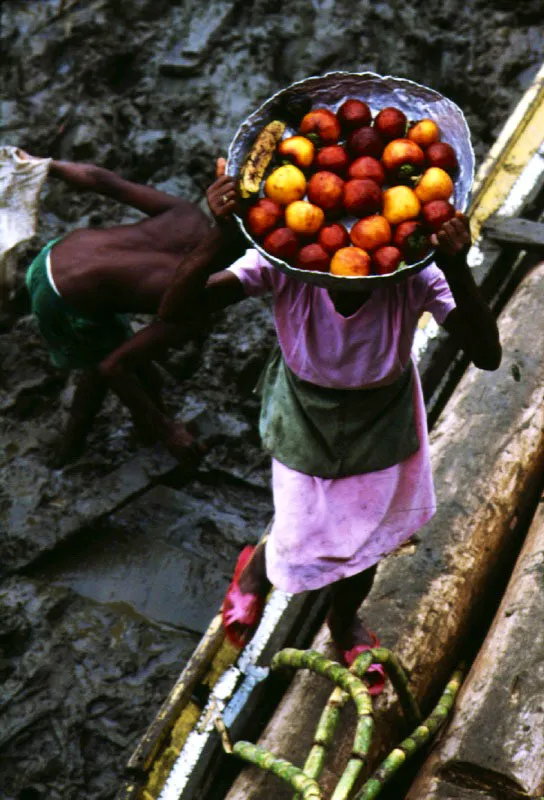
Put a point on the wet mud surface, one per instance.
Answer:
(112, 567)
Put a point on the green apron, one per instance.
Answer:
(333, 433)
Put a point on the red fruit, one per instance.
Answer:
(325, 189)
(365, 142)
(362, 197)
(403, 159)
(282, 243)
(314, 257)
(332, 158)
(322, 122)
(354, 114)
(332, 237)
(263, 216)
(441, 154)
(386, 259)
(412, 241)
(367, 167)
(436, 213)
(391, 124)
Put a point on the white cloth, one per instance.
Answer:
(21, 181)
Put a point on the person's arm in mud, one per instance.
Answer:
(91, 178)
(471, 322)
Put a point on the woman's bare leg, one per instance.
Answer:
(346, 628)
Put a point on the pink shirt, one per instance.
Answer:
(370, 348)
(328, 529)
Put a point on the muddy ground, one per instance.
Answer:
(113, 567)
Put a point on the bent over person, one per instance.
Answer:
(344, 420)
(83, 285)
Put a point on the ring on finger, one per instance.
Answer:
(224, 199)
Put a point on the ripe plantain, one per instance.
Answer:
(259, 157)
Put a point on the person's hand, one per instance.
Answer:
(221, 195)
(24, 156)
(453, 238)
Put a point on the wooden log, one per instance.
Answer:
(487, 452)
(522, 232)
(496, 739)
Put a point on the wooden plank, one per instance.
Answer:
(495, 741)
(488, 458)
(523, 232)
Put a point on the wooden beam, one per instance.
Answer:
(523, 232)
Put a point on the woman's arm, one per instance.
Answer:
(471, 323)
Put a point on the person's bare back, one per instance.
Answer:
(126, 268)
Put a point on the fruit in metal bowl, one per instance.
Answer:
(325, 189)
(391, 123)
(362, 197)
(313, 257)
(282, 243)
(350, 261)
(354, 114)
(263, 216)
(323, 123)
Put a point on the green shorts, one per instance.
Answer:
(74, 340)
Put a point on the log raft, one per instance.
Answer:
(495, 742)
(488, 460)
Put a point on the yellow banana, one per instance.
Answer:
(259, 157)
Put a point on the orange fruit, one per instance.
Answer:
(304, 218)
(371, 232)
(435, 184)
(350, 261)
(424, 132)
(298, 149)
(399, 204)
(285, 185)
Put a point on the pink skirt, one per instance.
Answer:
(328, 529)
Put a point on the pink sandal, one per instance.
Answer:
(375, 675)
(240, 608)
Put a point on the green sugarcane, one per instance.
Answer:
(292, 775)
(397, 676)
(391, 764)
(328, 722)
(348, 684)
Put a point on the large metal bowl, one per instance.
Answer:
(378, 91)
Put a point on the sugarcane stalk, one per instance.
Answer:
(314, 661)
(328, 721)
(292, 775)
(391, 764)
(350, 685)
(397, 676)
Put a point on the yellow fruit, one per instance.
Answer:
(435, 184)
(424, 132)
(285, 185)
(399, 204)
(304, 218)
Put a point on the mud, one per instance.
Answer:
(113, 566)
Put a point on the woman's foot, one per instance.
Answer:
(245, 599)
(352, 639)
